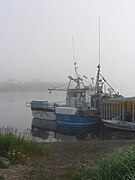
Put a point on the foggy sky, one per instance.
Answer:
(36, 40)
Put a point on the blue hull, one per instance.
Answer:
(75, 124)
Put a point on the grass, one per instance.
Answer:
(15, 147)
(118, 165)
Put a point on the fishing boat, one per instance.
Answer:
(77, 113)
(81, 112)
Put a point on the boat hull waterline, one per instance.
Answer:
(119, 125)
(75, 124)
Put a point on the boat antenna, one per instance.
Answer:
(98, 74)
(75, 64)
(99, 40)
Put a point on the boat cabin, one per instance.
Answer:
(79, 98)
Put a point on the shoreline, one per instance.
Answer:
(64, 159)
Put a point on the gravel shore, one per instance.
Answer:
(64, 160)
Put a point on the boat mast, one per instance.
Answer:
(77, 76)
(75, 65)
(98, 75)
(99, 40)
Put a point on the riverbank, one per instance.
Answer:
(64, 160)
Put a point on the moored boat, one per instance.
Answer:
(81, 113)
(76, 113)
(119, 114)
(119, 125)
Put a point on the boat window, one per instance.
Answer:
(82, 94)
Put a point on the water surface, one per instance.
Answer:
(13, 111)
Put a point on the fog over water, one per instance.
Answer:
(13, 111)
(36, 40)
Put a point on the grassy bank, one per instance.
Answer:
(16, 148)
(84, 160)
(118, 165)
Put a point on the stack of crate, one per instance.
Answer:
(122, 108)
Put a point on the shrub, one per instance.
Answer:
(119, 165)
(17, 149)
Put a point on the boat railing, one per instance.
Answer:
(51, 104)
(124, 117)
(59, 103)
(27, 104)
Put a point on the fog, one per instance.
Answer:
(36, 40)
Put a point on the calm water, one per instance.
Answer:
(13, 112)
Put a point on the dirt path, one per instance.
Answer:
(65, 158)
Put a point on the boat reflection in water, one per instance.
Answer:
(52, 132)
(44, 129)
(76, 130)
(116, 134)
(49, 132)
(43, 124)
(40, 133)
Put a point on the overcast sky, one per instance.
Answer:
(36, 40)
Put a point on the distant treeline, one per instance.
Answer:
(27, 86)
